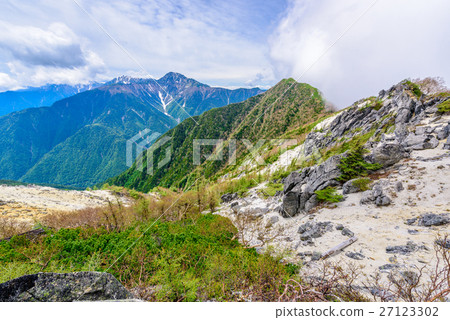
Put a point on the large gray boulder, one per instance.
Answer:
(420, 142)
(388, 154)
(64, 287)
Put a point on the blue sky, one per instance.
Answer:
(348, 48)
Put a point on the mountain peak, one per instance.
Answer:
(173, 76)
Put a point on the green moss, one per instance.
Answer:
(329, 195)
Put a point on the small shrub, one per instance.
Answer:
(328, 194)
(444, 107)
(354, 165)
(362, 184)
(414, 88)
(134, 194)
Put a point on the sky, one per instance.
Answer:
(348, 49)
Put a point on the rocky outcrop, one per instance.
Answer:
(64, 287)
(299, 187)
(393, 123)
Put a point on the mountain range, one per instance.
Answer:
(284, 107)
(33, 97)
(81, 140)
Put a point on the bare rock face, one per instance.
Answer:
(398, 112)
(64, 287)
(388, 154)
(299, 187)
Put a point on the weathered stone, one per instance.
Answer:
(347, 232)
(420, 142)
(339, 227)
(432, 219)
(383, 201)
(355, 255)
(227, 197)
(290, 204)
(311, 230)
(420, 130)
(387, 267)
(367, 197)
(272, 220)
(311, 203)
(388, 154)
(410, 277)
(235, 207)
(407, 249)
(64, 287)
(399, 186)
(411, 221)
(447, 144)
(443, 132)
(316, 256)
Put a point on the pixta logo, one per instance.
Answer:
(142, 147)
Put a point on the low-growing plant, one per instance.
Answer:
(329, 195)
(354, 165)
(414, 88)
(362, 184)
(195, 259)
(444, 107)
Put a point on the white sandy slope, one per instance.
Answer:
(426, 181)
(29, 202)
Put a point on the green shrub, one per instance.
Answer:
(414, 88)
(134, 194)
(195, 259)
(444, 107)
(354, 165)
(362, 184)
(328, 194)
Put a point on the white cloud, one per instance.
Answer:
(392, 41)
(217, 42)
(57, 46)
(53, 55)
(6, 82)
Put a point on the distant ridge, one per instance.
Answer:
(33, 97)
